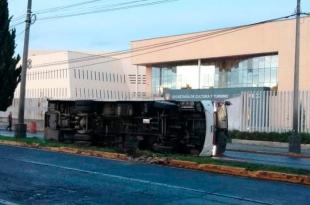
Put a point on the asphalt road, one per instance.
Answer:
(29, 176)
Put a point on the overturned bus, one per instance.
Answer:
(199, 128)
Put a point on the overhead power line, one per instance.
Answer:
(17, 24)
(59, 8)
(211, 35)
(177, 42)
(100, 7)
(93, 10)
(18, 18)
(55, 9)
(115, 7)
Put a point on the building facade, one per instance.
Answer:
(76, 75)
(260, 56)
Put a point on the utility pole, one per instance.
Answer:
(21, 127)
(295, 139)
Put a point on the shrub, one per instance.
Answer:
(264, 136)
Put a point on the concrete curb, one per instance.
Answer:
(265, 175)
(236, 171)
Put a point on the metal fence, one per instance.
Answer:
(271, 111)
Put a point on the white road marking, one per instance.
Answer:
(115, 176)
(4, 202)
(140, 181)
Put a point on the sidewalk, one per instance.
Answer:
(273, 154)
(272, 148)
(6, 133)
(267, 159)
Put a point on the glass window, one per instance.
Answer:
(268, 60)
(228, 73)
(267, 75)
(274, 77)
(256, 63)
(274, 61)
(261, 61)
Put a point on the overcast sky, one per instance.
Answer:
(114, 30)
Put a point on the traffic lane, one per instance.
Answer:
(137, 181)
(85, 187)
(268, 159)
(71, 187)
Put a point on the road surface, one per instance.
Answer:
(29, 176)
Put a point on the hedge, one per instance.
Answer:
(264, 136)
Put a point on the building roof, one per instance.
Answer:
(208, 30)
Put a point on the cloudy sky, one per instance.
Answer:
(114, 30)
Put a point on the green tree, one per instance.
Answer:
(9, 73)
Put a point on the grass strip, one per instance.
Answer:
(191, 158)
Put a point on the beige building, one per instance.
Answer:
(253, 56)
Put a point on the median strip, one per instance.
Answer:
(251, 170)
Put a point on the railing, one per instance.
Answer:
(271, 111)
